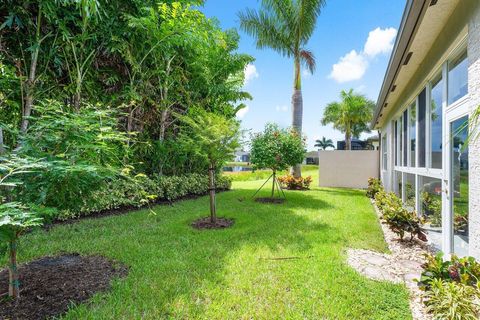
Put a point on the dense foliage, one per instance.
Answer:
(398, 218)
(451, 286)
(95, 90)
(374, 187)
(291, 183)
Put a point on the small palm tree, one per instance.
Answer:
(324, 143)
(351, 115)
(286, 27)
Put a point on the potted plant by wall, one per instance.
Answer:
(276, 149)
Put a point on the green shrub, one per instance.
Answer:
(291, 183)
(462, 270)
(374, 186)
(140, 190)
(452, 300)
(397, 217)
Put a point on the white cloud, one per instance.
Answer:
(354, 64)
(351, 67)
(380, 41)
(361, 88)
(242, 112)
(283, 108)
(250, 73)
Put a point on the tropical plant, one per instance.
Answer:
(351, 115)
(453, 301)
(374, 186)
(15, 219)
(291, 183)
(324, 143)
(276, 149)
(286, 26)
(215, 138)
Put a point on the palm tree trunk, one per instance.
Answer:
(348, 140)
(297, 111)
(2, 148)
(13, 284)
(211, 179)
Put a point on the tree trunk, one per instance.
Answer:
(211, 179)
(297, 112)
(273, 183)
(13, 285)
(30, 83)
(2, 148)
(348, 140)
(163, 124)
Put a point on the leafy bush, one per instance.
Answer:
(452, 300)
(462, 270)
(432, 207)
(374, 186)
(81, 152)
(398, 218)
(291, 183)
(140, 190)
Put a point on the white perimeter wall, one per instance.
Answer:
(347, 169)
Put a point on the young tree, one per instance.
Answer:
(351, 115)
(276, 149)
(215, 138)
(14, 217)
(324, 143)
(286, 27)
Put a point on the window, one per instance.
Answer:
(410, 191)
(395, 141)
(384, 152)
(405, 138)
(436, 115)
(431, 206)
(400, 139)
(422, 125)
(398, 183)
(413, 133)
(457, 78)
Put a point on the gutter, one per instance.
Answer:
(411, 19)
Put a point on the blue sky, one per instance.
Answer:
(368, 27)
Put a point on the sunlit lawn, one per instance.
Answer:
(239, 273)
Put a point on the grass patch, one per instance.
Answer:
(177, 272)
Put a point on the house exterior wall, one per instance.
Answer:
(474, 170)
(463, 24)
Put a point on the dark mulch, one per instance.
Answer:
(48, 286)
(205, 223)
(270, 200)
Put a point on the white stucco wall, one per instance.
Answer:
(347, 169)
(474, 149)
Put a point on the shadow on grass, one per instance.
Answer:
(173, 267)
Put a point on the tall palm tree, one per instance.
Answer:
(324, 143)
(351, 115)
(286, 27)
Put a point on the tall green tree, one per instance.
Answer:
(350, 115)
(286, 26)
(324, 143)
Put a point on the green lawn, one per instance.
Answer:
(180, 273)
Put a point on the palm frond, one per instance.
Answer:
(308, 13)
(308, 60)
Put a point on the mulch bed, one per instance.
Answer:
(270, 200)
(205, 223)
(48, 286)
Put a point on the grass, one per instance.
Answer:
(180, 273)
(308, 170)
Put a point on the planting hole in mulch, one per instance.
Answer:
(206, 223)
(270, 200)
(48, 286)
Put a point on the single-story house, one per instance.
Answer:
(356, 144)
(431, 88)
(242, 156)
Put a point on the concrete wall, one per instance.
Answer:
(347, 169)
(474, 148)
